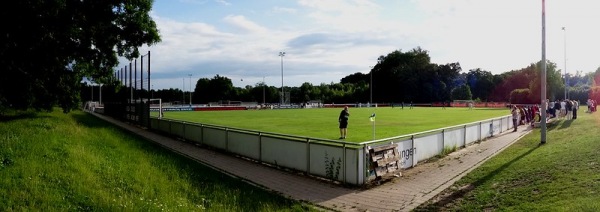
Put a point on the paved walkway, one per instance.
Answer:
(416, 186)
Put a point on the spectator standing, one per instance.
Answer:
(515, 117)
(569, 106)
(343, 119)
(563, 108)
(575, 107)
(557, 108)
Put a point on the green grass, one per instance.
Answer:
(63, 162)
(323, 123)
(561, 175)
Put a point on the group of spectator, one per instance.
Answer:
(529, 114)
(591, 105)
(525, 114)
(563, 109)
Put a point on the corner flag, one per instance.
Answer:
(372, 117)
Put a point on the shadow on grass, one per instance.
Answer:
(551, 126)
(21, 116)
(89, 120)
(461, 192)
(566, 124)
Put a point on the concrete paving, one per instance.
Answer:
(416, 185)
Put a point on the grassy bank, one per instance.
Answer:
(561, 175)
(58, 162)
(323, 122)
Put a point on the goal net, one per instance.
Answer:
(156, 106)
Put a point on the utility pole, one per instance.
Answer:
(190, 89)
(566, 76)
(281, 54)
(371, 87)
(543, 105)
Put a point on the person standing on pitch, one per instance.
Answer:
(343, 119)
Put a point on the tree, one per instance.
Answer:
(306, 91)
(356, 78)
(201, 91)
(509, 81)
(399, 75)
(594, 92)
(220, 88)
(521, 96)
(462, 92)
(481, 83)
(55, 43)
(554, 83)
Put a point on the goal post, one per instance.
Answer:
(158, 107)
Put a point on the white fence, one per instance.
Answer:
(417, 147)
(314, 156)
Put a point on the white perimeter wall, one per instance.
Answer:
(313, 156)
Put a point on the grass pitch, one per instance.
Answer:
(323, 122)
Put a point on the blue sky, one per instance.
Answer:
(325, 40)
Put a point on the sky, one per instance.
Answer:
(326, 40)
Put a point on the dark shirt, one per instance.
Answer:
(344, 115)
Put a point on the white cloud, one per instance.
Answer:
(335, 38)
(223, 2)
(240, 22)
(286, 10)
(347, 16)
(505, 35)
(194, 1)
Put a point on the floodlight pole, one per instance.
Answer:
(371, 87)
(566, 76)
(543, 96)
(281, 54)
(263, 82)
(190, 89)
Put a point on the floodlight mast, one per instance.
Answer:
(543, 90)
(190, 88)
(565, 54)
(371, 87)
(281, 54)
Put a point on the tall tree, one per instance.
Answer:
(54, 43)
(554, 82)
(481, 83)
(220, 88)
(356, 78)
(462, 92)
(398, 76)
(201, 91)
(517, 79)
